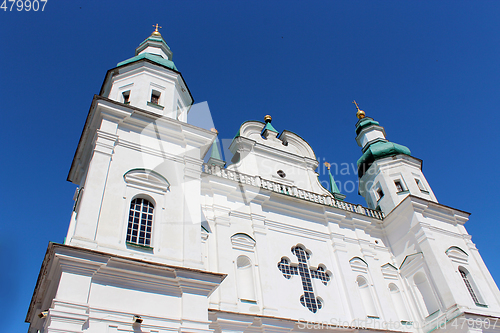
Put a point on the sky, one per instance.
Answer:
(427, 71)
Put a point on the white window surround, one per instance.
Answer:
(126, 97)
(245, 279)
(245, 266)
(149, 185)
(420, 185)
(155, 89)
(460, 260)
(424, 292)
(398, 302)
(366, 294)
(379, 193)
(404, 186)
(471, 286)
(123, 89)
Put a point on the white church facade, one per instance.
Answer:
(160, 241)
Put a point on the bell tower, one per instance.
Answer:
(387, 172)
(150, 81)
(138, 163)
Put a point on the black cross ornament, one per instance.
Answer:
(306, 273)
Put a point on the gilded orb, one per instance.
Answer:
(268, 119)
(360, 114)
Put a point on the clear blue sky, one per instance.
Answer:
(428, 71)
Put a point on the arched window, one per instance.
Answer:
(246, 286)
(366, 297)
(140, 222)
(471, 286)
(397, 300)
(425, 290)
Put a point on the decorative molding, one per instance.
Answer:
(296, 231)
(243, 242)
(147, 179)
(457, 255)
(389, 272)
(358, 265)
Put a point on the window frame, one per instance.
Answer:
(421, 186)
(471, 287)
(152, 186)
(126, 97)
(401, 184)
(128, 237)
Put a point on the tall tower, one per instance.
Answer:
(442, 268)
(387, 172)
(133, 250)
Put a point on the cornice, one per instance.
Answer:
(428, 209)
(128, 115)
(123, 271)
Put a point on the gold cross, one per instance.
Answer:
(156, 26)
(357, 107)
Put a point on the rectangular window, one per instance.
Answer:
(155, 97)
(126, 97)
(380, 193)
(399, 186)
(421, 186)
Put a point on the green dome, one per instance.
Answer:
(377, 151)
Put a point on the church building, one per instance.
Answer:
(160, 241)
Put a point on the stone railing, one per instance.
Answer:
(290, 190)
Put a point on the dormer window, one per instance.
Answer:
(126, 97)
(155, 97)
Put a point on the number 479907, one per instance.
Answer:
(20, 5)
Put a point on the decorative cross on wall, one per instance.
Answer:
(306, 273)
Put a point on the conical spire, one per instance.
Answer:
(269, 132)
(155, 44)
(333, 186)
(215, 156)
(268, 126)
(155, 49)
(372, 140)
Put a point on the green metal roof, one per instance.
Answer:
(380, 150)
(270, 127)
(365, 122)
(333, 185)
(215, 151)
(155, 39)
(153, 57)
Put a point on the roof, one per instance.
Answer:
(152, 57)
(155, 38)
(377, 151)
(365, 122)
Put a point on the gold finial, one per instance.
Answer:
(360, 114)
(214, 130)
(327, 165)
(156, 32)
(268, 118)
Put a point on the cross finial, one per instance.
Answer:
(360, 114)
(156, 32)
